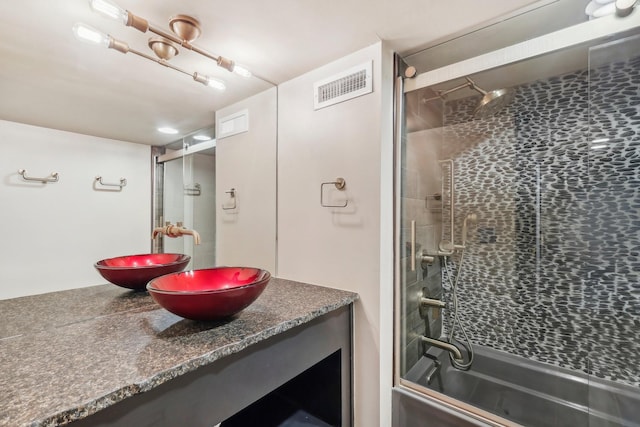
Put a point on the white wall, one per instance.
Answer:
(341, 248)
(53, 233)
(246, 235)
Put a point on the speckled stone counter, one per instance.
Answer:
(67, 355)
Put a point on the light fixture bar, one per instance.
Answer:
(89, 34)
(112, 10)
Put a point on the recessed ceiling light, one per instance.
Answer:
(168, 131)
(596, 141)
(202, 137)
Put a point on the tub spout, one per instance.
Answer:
(171, 230)
(445, 346)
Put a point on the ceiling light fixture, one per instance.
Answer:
(164, 49)
(168, 131)
(185, 30)
(202, 137)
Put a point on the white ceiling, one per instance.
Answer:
(50, 79)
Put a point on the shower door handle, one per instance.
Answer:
(413, 246)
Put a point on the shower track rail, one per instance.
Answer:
(586, 32)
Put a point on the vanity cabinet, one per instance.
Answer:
(103, 356)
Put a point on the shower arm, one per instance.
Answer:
(442, 94)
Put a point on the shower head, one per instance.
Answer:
(491, 103)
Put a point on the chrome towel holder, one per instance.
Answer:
(53, 177)
(122, 183)
(232, 195)
(196, 190)
(340, 184)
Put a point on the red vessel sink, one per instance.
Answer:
(135, 271)
(209, 294)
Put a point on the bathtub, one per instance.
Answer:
(531, 393)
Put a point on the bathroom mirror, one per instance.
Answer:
(53, 82)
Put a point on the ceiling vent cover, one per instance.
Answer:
(349, 84)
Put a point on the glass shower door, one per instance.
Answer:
(538, 204)
(613, 298)
(186, 195)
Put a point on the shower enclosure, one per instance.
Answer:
(518, 233)
(185, 193)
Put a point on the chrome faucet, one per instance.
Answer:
(176, 230)
(445, 346)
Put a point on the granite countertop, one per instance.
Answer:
(66, 355)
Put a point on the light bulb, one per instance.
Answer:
(89, 34)
(202, 137)
(215, 83)
(209, 81)
(109, 9)
(241, 71)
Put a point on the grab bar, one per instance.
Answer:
(54, 177)
(413, 246)
(122, 183)
(340, 184)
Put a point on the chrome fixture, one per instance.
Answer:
(340, 184)
(176, 230)
(122, 183)
(452, 349)
(184, 30)
(447, 247)
(491, 103)
(53, 177)
(424, 258)
(434, 371)
(196, 190)
(432, 302)
(232, 196)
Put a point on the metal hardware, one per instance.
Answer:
(196, 190)
(232, 195)
(425, 259)
(340, 184)
(435, 370)
(54, 177)
(443, 345)
(447, 247)
(437, 197)
(412, 255)
(427, 305)
(173, 231)
(122, 183)
(432, 302)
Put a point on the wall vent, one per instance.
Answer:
(349, 84)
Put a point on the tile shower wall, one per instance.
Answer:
(552, 269)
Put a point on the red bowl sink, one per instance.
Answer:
(209, 294)
(135, 271)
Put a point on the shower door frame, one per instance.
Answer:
(590, 32)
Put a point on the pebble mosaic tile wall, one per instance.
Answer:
(552, 270)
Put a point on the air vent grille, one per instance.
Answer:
(346, 85)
